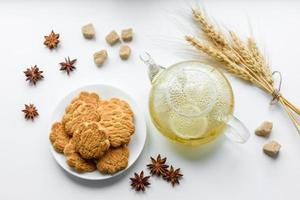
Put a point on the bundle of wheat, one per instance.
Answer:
(241, 59)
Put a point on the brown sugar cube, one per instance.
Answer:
(124, 52)
(264, 129)
(100, 57)
(127, 34)
(88, 31)
(112, 38)
(272, 148)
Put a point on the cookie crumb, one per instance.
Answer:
(100, 57)
(264, 129)
(127, 34)
(88, 31)
(124, 52)
(272, 148)
(112, 38)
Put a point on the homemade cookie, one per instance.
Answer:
(114, 160)
(75, 161)
(58, 137)
(124, 105)
(87, 97)
(84, 97)
(70, 109)
(118, 123)
(84, 113)
(82, 109)
(91, 142)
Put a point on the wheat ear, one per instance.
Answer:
(217, 38)
(229, 66)
(260, 59)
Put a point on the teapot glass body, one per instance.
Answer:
(190, 102)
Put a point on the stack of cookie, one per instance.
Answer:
(94, 133)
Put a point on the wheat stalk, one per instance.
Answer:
(243, 60)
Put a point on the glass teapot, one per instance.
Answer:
(192, 103)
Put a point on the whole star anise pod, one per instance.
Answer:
(158, 166)
(172, 176)
(30, 112)
(139, 182)
(33, 74)
(68, 65)
(51, 41)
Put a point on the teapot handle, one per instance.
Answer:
(236, 131)
(153, 69)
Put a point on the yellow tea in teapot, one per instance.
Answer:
(188, 102)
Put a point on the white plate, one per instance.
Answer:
(136, 144)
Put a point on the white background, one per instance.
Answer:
(221, 170)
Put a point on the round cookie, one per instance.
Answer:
(91, 141)
(116, 159)
(84, 113)
(84, 97)
(123, 104)
(118, 124)
(58, 137)
(91, 97)
(80, 105)
(75, 161)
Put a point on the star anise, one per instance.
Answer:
(33, 74)
(51, 41)
(173, 176)
(30, 112)
(139, 182)
(158, 166)
(68, 65)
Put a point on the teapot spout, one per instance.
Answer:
(153, 69)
